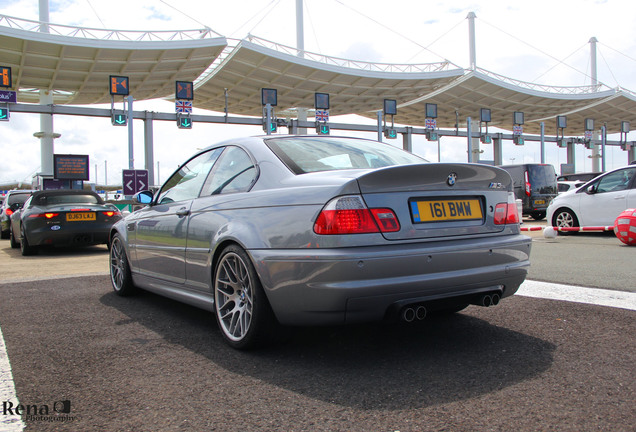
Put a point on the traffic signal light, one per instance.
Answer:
(119, 85)
(486, 139)
(119, 119)
(390, 133)
(273, 126)
(5, 77)
(518, 140)
(431, 135)
(4, 114)
(322, 129)
(184, 122)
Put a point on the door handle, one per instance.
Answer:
(183, 212)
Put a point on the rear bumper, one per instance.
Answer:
(68, 236)
(346, 285)
(4, 224)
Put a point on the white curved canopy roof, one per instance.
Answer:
(250, 67)
(76, 70)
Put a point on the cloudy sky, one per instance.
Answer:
(536, 41)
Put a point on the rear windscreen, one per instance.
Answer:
(18, 198)
(67, 199)
(542, 179)
(311, 154)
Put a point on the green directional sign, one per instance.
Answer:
(273, 127)
(4, 114)
(119, 119)
(184, 122)
(390, 133)
(322, 129)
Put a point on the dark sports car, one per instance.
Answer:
(62, 218)
(313, 230)
(13, 202)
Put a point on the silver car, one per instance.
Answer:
(316, 230)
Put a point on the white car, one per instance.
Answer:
(566, 186)
(596, 203)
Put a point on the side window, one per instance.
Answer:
(234, 172)
(616, 181)
(186, 183)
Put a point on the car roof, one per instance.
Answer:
(20, 191)
(53, 192)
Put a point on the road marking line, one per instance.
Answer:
(7, 392)
(577, 294)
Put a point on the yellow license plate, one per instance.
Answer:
(539, 202)
(446, 210)
(80, 216)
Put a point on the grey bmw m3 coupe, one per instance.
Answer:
(321, 230)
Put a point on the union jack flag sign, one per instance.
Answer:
(183, 106)
(431, 123)
(322, 115)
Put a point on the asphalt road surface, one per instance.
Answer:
(147, 363)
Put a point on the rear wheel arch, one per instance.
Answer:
(244, 316)
(218, 250)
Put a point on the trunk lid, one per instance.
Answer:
(438, 199)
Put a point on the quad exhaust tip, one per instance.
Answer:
(419, 312)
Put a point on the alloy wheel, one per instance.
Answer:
(117, 264)
(234, 296)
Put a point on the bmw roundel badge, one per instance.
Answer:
(452, 179)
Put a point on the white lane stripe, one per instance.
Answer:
(577, 294)
(8, 423)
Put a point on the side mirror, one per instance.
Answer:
(591, 190)
(143, 197)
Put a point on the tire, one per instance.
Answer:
(242, 311)
(120, 275)
(564, 218)
(12, 241)
(25, 248)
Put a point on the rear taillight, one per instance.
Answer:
(386, 219)
(507, 213)
(349, 215)
(44, 215)
(8, 212)
(528, 186)
(110, 213)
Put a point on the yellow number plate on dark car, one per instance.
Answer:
(446, 210)
(80, 216)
